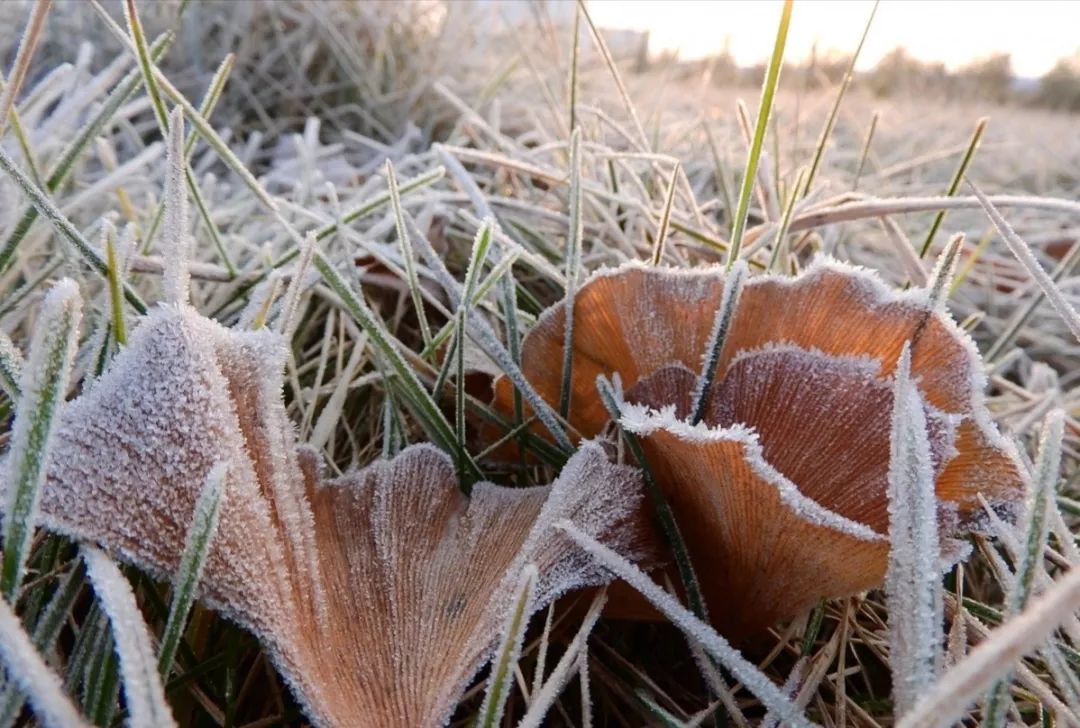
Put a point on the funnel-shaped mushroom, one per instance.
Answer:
(780, 489)
(378, 595)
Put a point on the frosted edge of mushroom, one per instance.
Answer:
(878, 293)
(644, 421)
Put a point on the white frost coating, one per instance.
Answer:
(509, 652)
(944, 270)
(11, 366)
(575, 654)
(863, 363)
(21, 661)
(745, 671)
(369, 592)
(174, 233)
(714, 347)
(876, 294)
(643, 421)
(947, 701)
(44, 385)
(913, 579)
(1023, 253)
(255, 312)
(143, 691)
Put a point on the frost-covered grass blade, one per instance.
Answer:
(44, 387)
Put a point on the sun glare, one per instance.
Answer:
(1035, 33)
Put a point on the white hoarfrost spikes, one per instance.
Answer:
(175, 243)
(378, 595)
(913, 580)
(43, 385)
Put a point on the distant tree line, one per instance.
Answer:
(898, 74)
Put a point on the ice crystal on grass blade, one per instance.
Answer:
(779, 489)
(43, 386)
(378, 595)
(913, 580)
(143, 692)
(26, 667)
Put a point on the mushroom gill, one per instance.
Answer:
(780, 489)
(379, 594)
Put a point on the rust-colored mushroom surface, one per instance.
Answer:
(780, 488)
(378, 594)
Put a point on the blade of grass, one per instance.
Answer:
(27, 43)
(46, 632)
(941, 280)
(716, 646)
(25, 666)
(729, 302)
(116, 296)
(946, 702)
(545, 697)
(64, 226)
(666, 517)
(11, 368)
(830, 122)
(143, 691)
(481, 245)
(954, 185)
(200, 534)
(573, 267)
(88, 132)
(408, 255)
(44, 386)
(665, 218)
(509, 651)
(1023, 253)
(864, 154)
(768, 91)
(409, 386)
(1047, 470)
(779, 251)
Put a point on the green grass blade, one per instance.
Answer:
(200, 534)
(830, 122)
(768, 92)
(729, 302)
(954, 185)
(412, 391)
(143, 691)
(40, 200)
(116, 296)
(46, 632)
(44, 388)
(509, 651)
(71, 153)
(408, 255)
(22, 661)
(11, 367)
(573, 266)
(666, 517)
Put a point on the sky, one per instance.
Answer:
(1035, 32)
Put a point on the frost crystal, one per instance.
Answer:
(913, 581)
(377, 594)
(174, 229)
(783, 469)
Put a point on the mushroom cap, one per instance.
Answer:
(780, 493)
(377, 595)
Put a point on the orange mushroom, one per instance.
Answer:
(780, 490)
(377, 595)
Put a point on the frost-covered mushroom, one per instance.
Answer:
(780, 489)
(378, 595)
